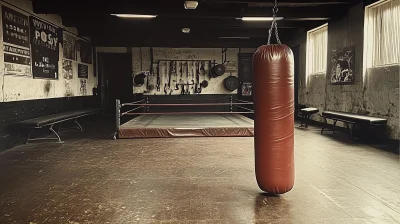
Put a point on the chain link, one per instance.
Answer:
(274, 25)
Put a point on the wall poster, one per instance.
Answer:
(247, 88)
(69, 46)
(83, 88)
(17, 55)
(85, 51)
(68, 72)
(83, 71)
(342, 71)
(45, 48)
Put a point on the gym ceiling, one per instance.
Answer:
(214, 23)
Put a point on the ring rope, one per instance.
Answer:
(243, 101)
(190, 104)
(245, 108)
(133, 103)
(122, 114)
(180, 113)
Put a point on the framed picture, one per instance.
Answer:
(247, 89)
(342, 66)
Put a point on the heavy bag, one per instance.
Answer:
(273, 97)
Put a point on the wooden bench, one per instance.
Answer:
(350, 120)
(51, 120)
(305, 114)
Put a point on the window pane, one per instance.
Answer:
(317, 49)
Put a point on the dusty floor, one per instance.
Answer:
(94, 179)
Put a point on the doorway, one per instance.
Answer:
(115, 77)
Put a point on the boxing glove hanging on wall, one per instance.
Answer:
(273, 87)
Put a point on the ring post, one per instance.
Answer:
(117, 116)
(147, 102)
(230, 101)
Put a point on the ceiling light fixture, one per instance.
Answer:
(185, 30)
(190, 4)
(134, 16)
(259, 18)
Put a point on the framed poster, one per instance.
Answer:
(17, 55)
(247, 88)
(84, 51)
(342, 70)
(44, 39)
(69, 46)
(83, 71)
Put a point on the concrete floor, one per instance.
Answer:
(94, 179)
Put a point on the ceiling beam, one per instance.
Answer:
(177, 11)
(258, 3)
(112, 22)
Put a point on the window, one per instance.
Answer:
(381, 33)
(317, 50)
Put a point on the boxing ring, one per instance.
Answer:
(148, 124)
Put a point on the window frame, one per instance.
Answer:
(308, 56)
(368, 59)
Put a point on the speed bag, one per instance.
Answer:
(273, 97)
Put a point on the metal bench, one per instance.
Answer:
(51, 120)
(350, 120)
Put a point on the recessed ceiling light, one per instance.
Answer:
(186, 30)
(134, 16)
(190, 4)
(259, 18)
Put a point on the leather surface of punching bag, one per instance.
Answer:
(273, 86)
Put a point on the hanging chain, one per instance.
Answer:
(274, 25)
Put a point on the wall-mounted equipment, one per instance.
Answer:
(231, 83)
(217, 70)
(138, 80)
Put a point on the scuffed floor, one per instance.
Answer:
(94, 179)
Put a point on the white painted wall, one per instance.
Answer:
(141, 61)
(21, 88)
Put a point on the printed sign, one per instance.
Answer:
(15, 28)
(69, 50)
(85, 51)
(17, 54)
(83, 71)
(45, 46)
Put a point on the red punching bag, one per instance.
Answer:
(273, 88)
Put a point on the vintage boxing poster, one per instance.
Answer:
(69, 46)
(68, 71)
(44, 39)
(342, 70)
(17, 54)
